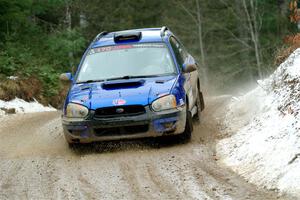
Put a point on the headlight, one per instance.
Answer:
(164, 103)
(76, 111)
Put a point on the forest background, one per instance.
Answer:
(235, 42)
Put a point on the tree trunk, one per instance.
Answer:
(68, 22)
(253, 27)
(283, 6)
(243, 34)
(201, 44)
(82, 20)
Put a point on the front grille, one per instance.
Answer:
(117, 111)
(126, 130)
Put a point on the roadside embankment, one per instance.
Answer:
(262, 135)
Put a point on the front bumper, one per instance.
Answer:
(149, 124)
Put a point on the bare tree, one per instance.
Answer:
(68, 24)
(251, 15)
(283, 7)
(199, 25)
(243, 35)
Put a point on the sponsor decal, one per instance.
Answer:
(151, 45)
(119, 102)
(120, 47)
(109, 48)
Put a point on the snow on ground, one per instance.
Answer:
(22, 106)
(263, 131)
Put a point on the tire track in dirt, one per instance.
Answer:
(163, 188)
(35, 163)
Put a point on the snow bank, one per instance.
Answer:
(22, 106)
(264, 130)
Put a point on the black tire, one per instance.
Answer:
(72, 145)
(187, 134)
(199, 104)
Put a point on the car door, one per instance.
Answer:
(182, 58)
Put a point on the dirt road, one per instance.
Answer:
(36, 163)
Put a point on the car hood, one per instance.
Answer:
(138, 91)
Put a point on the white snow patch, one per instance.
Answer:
(13, 77)
(22, 106)
(265, 127)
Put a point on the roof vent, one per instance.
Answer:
(127, 36)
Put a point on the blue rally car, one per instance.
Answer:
(132, 84)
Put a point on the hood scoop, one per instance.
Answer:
(122, 84)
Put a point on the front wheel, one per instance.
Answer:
(187, 134)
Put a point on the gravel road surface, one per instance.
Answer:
(36, 163)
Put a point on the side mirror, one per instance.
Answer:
(187, 68)
(66, 77)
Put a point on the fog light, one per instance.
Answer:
(81, 131)
(168, 125)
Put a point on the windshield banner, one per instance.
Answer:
(121, 47)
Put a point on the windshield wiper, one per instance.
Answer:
(90, 81)
(120, 78)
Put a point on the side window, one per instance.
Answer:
(179, 51)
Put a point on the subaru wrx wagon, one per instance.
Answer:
(132, 84)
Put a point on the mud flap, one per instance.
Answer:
(202, 101)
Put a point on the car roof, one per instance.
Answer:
(147, 35)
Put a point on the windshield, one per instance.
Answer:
(136, 60)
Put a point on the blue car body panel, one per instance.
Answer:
(143, 91)
(94, 95)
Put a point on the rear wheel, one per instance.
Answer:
(199, 106)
